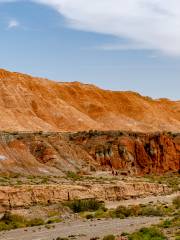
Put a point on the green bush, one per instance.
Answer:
(84, 205)
(109, 237)
(122, 212)
(151, 233)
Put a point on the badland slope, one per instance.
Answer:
(32, 104)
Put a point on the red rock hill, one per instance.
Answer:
(31, 104)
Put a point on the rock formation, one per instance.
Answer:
(49, 128)
(26, 196)
(56, 153)
(33, 104)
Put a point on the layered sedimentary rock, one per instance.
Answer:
(26, 196)
(33, 104)
(57, 153)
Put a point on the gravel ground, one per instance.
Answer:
(82, 229)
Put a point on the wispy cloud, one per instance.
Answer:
(153, 23)
(13, 23)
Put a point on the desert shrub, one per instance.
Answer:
(35, 222)
(151, 233)
(130, 211)
(176, 202)
(122, 212)
(84, 205)
(109, 237)
(12, 221)
(151, 211)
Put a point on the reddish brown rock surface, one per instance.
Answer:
(34, 104)
(31, 104)
(56, 153)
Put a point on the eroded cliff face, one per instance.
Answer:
(32, 104)
(135, 153)
(26, 196)
(57, 153)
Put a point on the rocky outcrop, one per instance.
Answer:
(26, 196)
(57, 153)
(133, 152)
(33, 104)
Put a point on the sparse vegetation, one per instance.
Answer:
(174, 222)
(84, 205)
(72, 175)
(151, 233)
(131, 211)
(11, 221)
(171, 227)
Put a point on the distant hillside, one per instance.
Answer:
(30, 104)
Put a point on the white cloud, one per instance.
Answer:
(154, 24)
(13, 24)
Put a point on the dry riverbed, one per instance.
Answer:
(81, 229)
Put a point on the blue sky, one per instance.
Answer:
(63, 42)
